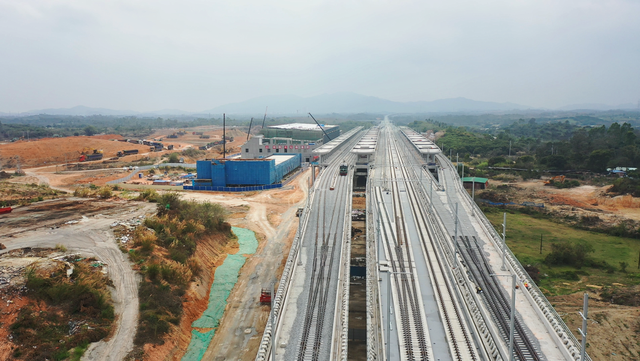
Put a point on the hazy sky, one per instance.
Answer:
(193, 55)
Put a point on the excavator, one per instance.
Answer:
(555, 179)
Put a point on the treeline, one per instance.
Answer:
(549, 146)
(496, 122)
(40, 126)
(43, 126)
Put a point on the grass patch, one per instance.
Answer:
(163, 249)
(606, 264)
(78, 311)
(12, 194)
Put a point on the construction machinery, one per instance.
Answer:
(555, 179)
(265, 297)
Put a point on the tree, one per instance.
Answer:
(90, 130)
(173, 158)
(554, 161)
(598, 160)
(496, 160)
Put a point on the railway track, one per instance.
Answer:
(326, 255)
(459, 339)
(414, 341)
(326, 240)
(495, 297)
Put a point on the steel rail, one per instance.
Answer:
(450, 311)
(496, 298)
(411, 314)
(321, 272)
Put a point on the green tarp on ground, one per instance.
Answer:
(224, 280)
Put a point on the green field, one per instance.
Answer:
(523, 238)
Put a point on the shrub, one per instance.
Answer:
(105, 192)
(623, 267)
(148, 195)
(569, 254)
(192, 152)
(153, 270)
(82, 192)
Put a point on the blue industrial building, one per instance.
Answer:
(218, 173)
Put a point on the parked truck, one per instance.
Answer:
(122, 153)
(89, 154)
(90, 157)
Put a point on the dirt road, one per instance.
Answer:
(92, 236)
(241, 327)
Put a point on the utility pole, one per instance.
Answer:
(473, 188)
(504, 240)
(583, 331)
(455, 237)
(540, 243)
(224, 136)
(509, 148)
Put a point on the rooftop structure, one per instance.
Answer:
(329, 147)
(426, 147)
(260, 147)
(302, 131)
(365, 151)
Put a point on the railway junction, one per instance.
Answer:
(440, 282)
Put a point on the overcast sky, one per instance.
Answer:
(193, 55)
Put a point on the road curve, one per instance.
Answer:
(93, 237)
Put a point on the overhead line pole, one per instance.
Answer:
(224, 136)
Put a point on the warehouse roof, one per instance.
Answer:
(300, 126)
(281, 158)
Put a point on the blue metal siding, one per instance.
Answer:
(246, 172)
(233, 189)
(218, 173)
(203, 167)
(286, 167)
(250, 172)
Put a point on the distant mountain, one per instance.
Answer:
(346, 102)
(343, 102)
(81, 110)
(597, 106)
